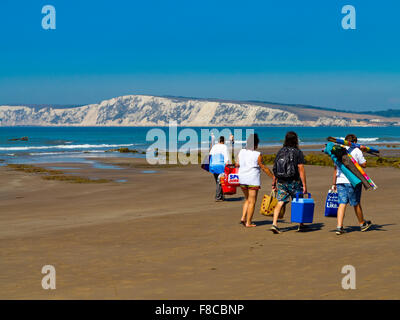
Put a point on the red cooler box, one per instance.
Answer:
(232, 175)
(230, 179)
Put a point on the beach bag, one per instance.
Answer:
(331, 204)
(217, 163)
(268, 205)
(284, 165)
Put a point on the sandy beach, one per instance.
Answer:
(110, 114)
(160, 235)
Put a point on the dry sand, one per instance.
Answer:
(162, 236)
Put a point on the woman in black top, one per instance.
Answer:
(290, 176)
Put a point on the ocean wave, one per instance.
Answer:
(368, 139)
(64, 153)
(226, 142)
(50, 153)
(74, 146)
(364, 139)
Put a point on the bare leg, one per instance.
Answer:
(250, 207)
(277, 210)
(245, 204)
(359, 213)
(340, 214)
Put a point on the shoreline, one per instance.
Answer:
(96, 158)
(141, 151)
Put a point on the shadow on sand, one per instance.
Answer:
(374, 227)
(309, 227)
(234, 199)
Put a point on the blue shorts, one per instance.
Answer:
(348, 194)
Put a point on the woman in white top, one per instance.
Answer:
(250, 165)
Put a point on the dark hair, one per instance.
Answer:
(291, 140)
(221, 139)
(351, 138)
(252, 141)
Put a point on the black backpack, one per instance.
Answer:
(285, 166)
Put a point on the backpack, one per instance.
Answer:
(285, 166)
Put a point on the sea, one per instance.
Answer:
(78, 144)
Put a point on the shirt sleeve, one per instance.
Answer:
(300, 159)
(359, 156)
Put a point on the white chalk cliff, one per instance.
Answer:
(140, 110)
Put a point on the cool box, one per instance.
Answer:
(302, 209)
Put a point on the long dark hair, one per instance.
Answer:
(252, 142)
(291, 140)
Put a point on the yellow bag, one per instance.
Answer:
(268, 205)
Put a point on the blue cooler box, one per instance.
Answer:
(302, 209)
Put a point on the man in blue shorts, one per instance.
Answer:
(347, 193)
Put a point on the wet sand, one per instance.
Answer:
(161, 236)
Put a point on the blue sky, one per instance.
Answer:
(283, 51)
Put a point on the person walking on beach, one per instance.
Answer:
(232, 142)
(219, 157)
(250, 164)
(290, 176)
(347, 193)
(212, 142)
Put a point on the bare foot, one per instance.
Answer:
(250, 225)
